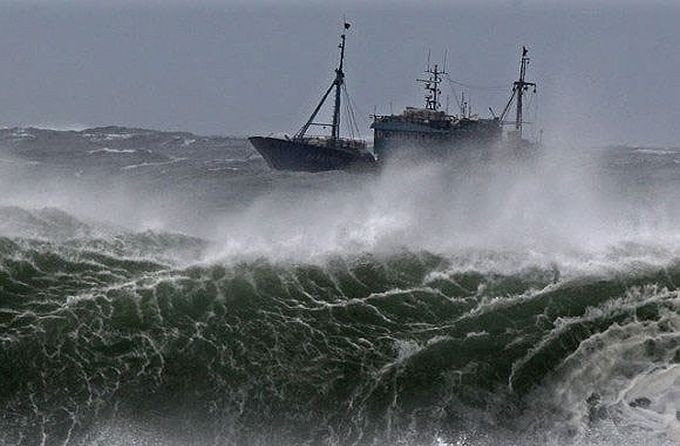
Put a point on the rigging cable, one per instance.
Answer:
(533, 113)
(349, 104)
(496, 89)
(353, 107)
(348, 116)
(455, 94)
(476, 86)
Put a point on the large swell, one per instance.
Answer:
(112, 341)
(504, 316)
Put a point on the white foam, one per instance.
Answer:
(619, 367)
(108, 150)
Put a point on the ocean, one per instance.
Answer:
(163, 288)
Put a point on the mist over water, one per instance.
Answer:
(165, 288)
(565, 206)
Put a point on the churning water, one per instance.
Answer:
(160, 288)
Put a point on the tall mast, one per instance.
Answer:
(432, 87)
(339, 79)
(337, 84)
(520, 87)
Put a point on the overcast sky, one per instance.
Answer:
(608, 72)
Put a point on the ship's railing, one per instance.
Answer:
(327, 141)
(416, 118)
(401, 119)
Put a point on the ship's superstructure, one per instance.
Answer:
(317, 153)
(429, 131)
(423, 132)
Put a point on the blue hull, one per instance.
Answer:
(284, 154)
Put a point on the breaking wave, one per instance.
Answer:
(502, 303)
(119, 337)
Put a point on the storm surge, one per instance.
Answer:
(499, 303)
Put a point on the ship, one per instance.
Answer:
(431, 133)
(318, 153)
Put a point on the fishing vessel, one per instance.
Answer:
(318, 153)
(416, 134)
(424, 133)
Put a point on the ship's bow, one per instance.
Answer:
(269, 148)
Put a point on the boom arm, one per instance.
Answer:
(303, 130)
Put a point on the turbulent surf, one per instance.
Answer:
(172, 290)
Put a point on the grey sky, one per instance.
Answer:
(607, 71)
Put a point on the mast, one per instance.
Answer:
(432, 87)
(337, 84)
(520, 86)
(339, 79)
(518, 89)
